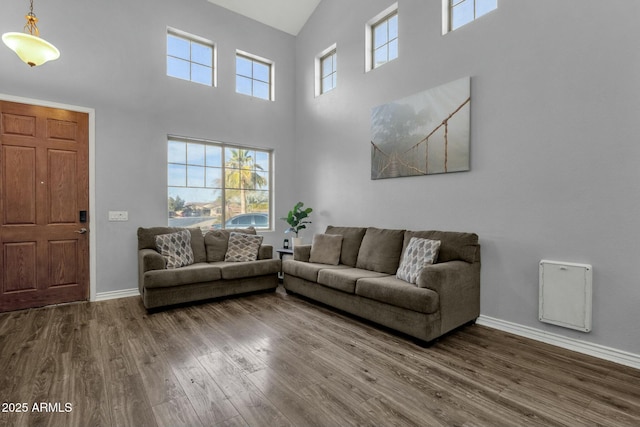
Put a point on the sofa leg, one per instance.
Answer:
(425, 344)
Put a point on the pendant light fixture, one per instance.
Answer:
(28, 45)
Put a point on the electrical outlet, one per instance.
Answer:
(118, 216)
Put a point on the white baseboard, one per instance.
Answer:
(596, 350)
(103, 296)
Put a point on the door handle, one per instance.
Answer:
(81, 231)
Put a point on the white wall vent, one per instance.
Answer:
(565, 294)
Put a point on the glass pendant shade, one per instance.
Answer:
(31, 49)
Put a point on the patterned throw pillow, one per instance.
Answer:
(175, 248)
(243, 247)
(419, 253)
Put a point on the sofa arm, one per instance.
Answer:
(266, 252)
(148, 260)
(302, 253)
(458, 286)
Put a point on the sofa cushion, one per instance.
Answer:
(351, 240)
(417, 254)
(391, 290)
(194, 273)
(216, 242)
(325, 249)
(345, 279)
(175, 248)
(453, 245)
(243, 247)
(306, 270)
(380, 250)
(147, 239)
(241, 270)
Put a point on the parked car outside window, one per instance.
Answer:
(257, 220)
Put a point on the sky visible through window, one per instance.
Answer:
(189, 60)
(464, 11)
(385, 41)
(253, 77)
(209, 183)
(329, 67)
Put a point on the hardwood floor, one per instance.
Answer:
(278, 360)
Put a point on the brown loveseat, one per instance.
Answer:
(210, 276)
(363, 279)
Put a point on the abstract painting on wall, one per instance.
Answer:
(423, 134)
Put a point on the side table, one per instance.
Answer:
(282, 252)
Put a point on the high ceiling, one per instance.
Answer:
(286, 15)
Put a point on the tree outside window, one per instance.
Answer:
(211, 183)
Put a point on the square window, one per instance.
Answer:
(253, 76)
(190, 58)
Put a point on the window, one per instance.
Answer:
(326, 65)
(381, 38)
(190, 58)
(457, 13)
(254, 76)
(329, 68)
(216, 185)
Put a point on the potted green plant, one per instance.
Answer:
(297, 220)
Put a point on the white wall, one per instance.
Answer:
(113, 60)
(555, 152)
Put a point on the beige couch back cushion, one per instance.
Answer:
(454, 245)
(351, 240)
(380, 250)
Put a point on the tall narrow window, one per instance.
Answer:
(385, 40)
(254, 76)
(461, 12)
(215, 185)
(328, 71)
(381, 38)
(190, 58)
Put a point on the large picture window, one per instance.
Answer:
(213, 185)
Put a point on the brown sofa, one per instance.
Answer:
(208, 277)
(364, 283)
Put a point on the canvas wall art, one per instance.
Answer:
(423, 134)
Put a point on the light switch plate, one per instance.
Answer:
(118, 216)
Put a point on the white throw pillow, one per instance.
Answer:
(243, 247)
(175, 248)
(418, 254)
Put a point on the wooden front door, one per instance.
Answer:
(44, 206)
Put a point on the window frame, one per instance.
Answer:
(319, 59)
(223, 146)
(447, 14)
(193, 39)
(370, 26)
(262, 61)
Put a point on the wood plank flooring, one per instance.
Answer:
(278, 360)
